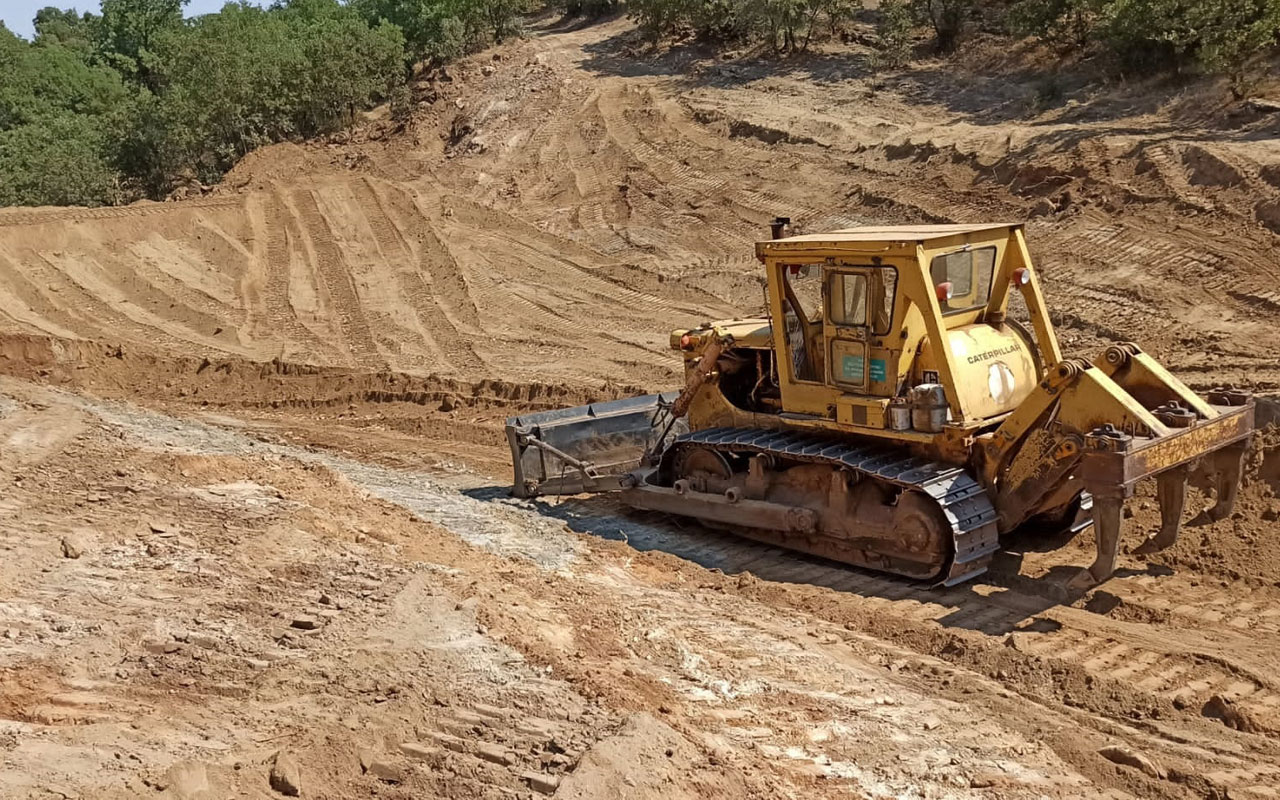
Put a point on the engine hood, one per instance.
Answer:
(746, 332)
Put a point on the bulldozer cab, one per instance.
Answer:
(866, 313)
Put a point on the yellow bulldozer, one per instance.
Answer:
(889, 413)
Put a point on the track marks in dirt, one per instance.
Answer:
(350, 271)
(334, 276)
(1179, 644)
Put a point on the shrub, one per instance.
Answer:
(948, 18)
(893, 34)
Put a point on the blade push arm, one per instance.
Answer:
(1108, 426)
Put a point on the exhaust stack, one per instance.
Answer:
(778, 228)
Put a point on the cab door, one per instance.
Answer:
(846, 327)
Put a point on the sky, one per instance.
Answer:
(17, 14)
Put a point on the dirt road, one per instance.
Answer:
(255, 524)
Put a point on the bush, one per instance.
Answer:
(587, 8)
(893, 34)
(58, 159)
(99, 110)
(1071, 22)
(1236, 36)
(949, 18)
(658, 18)
(1229, 37)
(440, 30)
(786, 25)
(246, 77)
(1150, 36)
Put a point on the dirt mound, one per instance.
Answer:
(351, 272)
(645, 760)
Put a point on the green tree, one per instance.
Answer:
(440, 30)
(130, 32)
(893, 34)
(74, 31)
(949, 18)
(1070, 22)
(63, 159)
(1236, 37)
(780, 22)
(587, 8)
(51, 78)
(1152, 35)
(245, 77)
(658, 18)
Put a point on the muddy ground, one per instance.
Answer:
(255, 530)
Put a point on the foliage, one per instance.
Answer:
(1228, 37)
(893, 34)
(658, 18)
(1067, 21)
(75, 31)
(128, 32)
(246, 76)
(104, 108)
(440, 30)
(587, 8)
(51, 78)
(786, 25)
(63, 159)
(1236, 36)
(56, 110)
(948, 19)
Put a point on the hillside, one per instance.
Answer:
(443, 247)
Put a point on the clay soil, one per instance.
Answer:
(255, 537)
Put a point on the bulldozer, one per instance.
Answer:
(887, 411)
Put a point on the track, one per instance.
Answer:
(972, 538)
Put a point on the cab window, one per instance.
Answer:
(969, 272)
(804, 284)
(802, 316)
(863, 298)
(849, 299)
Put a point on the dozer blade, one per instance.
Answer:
(587, 448)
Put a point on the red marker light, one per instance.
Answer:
(1021, 276)
(944, 291)
(686, 342)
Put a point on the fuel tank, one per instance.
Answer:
(995, 369)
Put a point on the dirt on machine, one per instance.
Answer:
(888, 412)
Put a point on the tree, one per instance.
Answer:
(60, 160)
(130, 31)
(74, 31)
(657, 18)
(440, 30)
(948, 18)
(1071, 22)
(893, 34)
(246, 76)
(1236, 36)
(587, 8)
(51, 79)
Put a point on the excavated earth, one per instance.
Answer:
(255, 530)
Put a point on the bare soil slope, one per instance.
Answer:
(555, 211)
